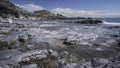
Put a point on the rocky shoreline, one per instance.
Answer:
(9, 10)
(45, 40)
(24, 44)
(86, 21)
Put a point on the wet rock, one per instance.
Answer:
(49, 62)
(89, 21)
(116, 36)
(69, 42)
(21, 39)
(94, 63)
(29, 36)
(43, 58)
(7, 44)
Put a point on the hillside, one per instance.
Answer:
(9, 10)
(45, 14)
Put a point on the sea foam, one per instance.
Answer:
(111, 23)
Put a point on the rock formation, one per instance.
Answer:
(9, 10)
(89, 21)
(47, 15)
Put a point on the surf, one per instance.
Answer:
(111, 23)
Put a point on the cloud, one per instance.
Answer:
(30, 7)
(83, 13)
(71, 12)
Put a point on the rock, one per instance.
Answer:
(44, 13)
(7, 44)
(67, 41)
(89, 21)
(21, 39)
(98, 21)
(43, 58)
(116, 36)
(9, 10)
(47, 15)
(14, 65)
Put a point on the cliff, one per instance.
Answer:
(9, 10)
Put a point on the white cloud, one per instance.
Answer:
(71, 12)
(30, 7)
(82, 13)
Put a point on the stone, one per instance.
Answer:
(67, 41)
(22, 40)
(7, 44)
(89, 21)
(43, 58)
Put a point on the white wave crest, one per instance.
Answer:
(111, 23)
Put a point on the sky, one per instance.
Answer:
(73, 8)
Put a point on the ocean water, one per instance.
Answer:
(110, 19)
(83, 41)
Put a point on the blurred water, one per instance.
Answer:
(90, 38)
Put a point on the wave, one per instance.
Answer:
(111, 23)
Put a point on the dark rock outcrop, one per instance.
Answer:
(89, 21)
(6, 44)
(68, 42)
(22, 40)
(9, 10)
(43, 58)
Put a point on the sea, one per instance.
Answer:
(112, 21)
